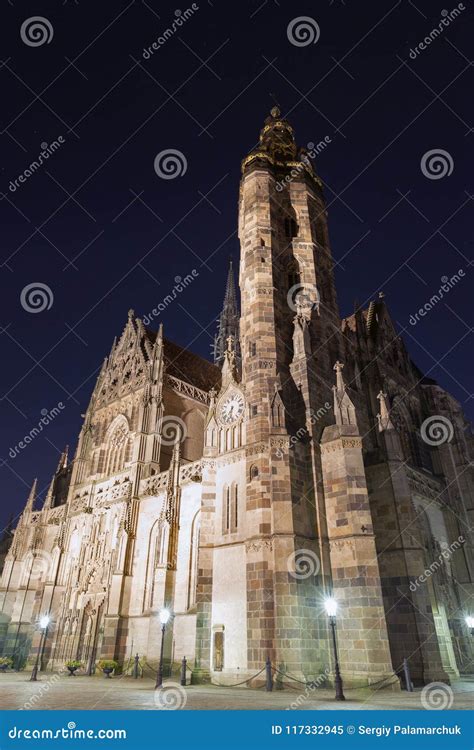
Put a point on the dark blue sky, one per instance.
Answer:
(104, 232)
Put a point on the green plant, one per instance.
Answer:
(74, 663)
(5, 661)
(107, 664)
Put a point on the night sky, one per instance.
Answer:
(104, 232)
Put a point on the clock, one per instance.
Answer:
(231, 408)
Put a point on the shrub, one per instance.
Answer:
(74, 663)
(107, 664)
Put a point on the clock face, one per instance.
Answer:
(232, 408)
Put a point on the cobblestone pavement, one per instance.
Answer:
(123, 693)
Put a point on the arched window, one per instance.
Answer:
(235, 508)
(157, 556)
(226, 510)
(253, 472)
(119, 442)
(194, 559)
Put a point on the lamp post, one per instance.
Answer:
(470, 623)
(43, 623)
(164, 617)
(330, 605)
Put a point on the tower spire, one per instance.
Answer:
(31, 498)
(62, 464)
(228, 325)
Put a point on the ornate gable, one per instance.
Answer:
(126, 368)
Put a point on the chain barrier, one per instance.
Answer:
(312, 684)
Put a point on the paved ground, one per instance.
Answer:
(124, 693)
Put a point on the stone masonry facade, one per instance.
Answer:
(311, 459)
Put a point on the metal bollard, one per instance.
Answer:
(406, 670)
(136, 666)
(269, 676)
(183, 672)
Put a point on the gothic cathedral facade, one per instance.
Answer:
(240, 494)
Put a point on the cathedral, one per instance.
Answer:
(312, 458)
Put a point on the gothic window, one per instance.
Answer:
(254, 410)
(252, 348)
(119, 445)
(234, 507)
(226, 510)
(236, 436)
(157, 556)
(194, 559)
(277, 411)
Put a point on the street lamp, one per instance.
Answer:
(164, 615)
(330, 605)
(43, 623)
(470, 623)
